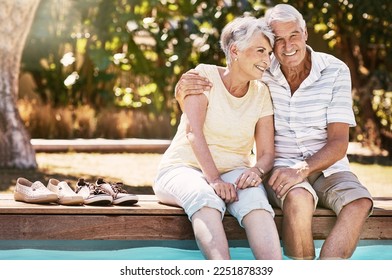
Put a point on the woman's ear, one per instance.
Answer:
(233, 52)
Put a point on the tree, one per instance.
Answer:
(124, 53)
(16, 17)
(130, 53)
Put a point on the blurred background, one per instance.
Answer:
(107, 69)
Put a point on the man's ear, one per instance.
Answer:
(306, 34)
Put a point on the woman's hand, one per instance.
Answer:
(226, 191)
(249, 178)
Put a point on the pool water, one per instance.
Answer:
(153, 250)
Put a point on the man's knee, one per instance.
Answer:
(298, 202)
(364, 205)
(298, 197)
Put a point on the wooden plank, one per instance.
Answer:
(89, 227)
(148, 220)
(131, 145)
(148, 204)
(378, 227)
(148, 227)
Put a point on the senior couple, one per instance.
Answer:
(294, 106)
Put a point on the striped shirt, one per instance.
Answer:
(301, 119)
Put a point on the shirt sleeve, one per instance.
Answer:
(341, 106)
(267, 108)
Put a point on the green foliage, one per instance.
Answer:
(131, 53)
(127, 53)
(366, 24)
(382, 105)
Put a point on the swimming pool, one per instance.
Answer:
(152, 250)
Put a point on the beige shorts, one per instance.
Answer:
(332, 192)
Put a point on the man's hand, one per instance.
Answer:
(283, 179)
(191, 83)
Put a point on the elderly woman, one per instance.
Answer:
(209, 167)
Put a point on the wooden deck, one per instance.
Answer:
(147, 220)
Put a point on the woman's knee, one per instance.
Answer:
(206, 213)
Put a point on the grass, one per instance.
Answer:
(377, 178)
(137, 171)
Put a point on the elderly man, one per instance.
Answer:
(311, 93)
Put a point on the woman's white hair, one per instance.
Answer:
(240, 31)
(284, 13)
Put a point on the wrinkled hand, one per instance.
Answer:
(249, 178)
(225, 190)
(283, 179)
(191, 83)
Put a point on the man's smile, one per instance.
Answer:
(290, 53)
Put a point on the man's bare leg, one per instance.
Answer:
(297, 233)
(344, 237)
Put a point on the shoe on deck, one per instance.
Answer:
(66, 195)
(120, 196)
(36, 192)
(92, 194)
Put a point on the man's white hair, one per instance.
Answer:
(284, 13)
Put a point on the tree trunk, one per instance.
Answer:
(16, 18)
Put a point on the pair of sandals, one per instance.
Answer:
(104, 193)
